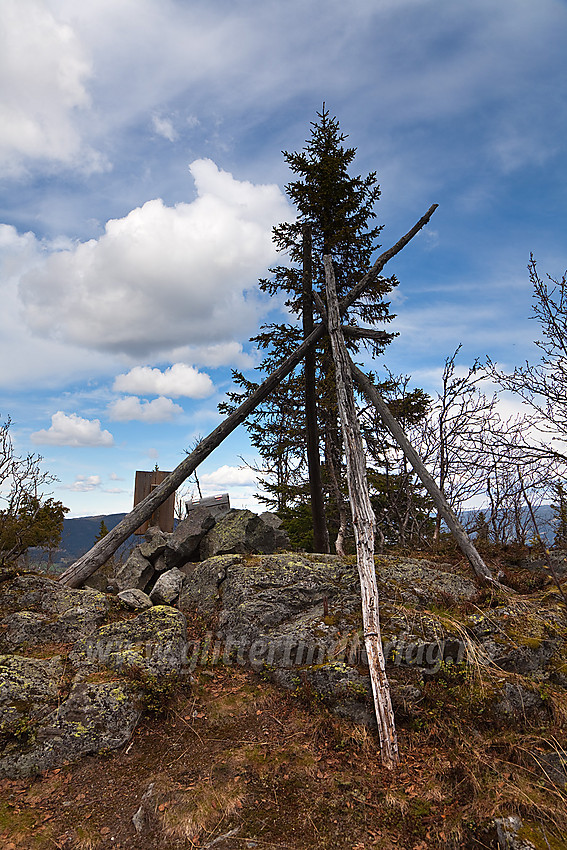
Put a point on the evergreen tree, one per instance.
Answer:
(102, 531)
(337, 208)
(560, 517)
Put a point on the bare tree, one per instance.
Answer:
(543, 385)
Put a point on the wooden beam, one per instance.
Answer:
(364, 527)
(441, 503)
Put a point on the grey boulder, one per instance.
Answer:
(135, 599)
(168, 587)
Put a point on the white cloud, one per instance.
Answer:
(163, 275)
(44, 68)
(131, 408)
(49, 362)
(73, 430)
(240, 482)
(222, 354)
(177, 380)
(84, 483)
(164, 127)
(226, 476)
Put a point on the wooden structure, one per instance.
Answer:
(145, 484)
(363, 517)
(75, 575)
(364, 524)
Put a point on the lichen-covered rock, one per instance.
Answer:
(508, 833)
(183, 545)
(136, 572)
(552, 765)
(419, 582)
(30, 592)
(47, 612)
(153, 644)
(28, 687)
(93, 718)
(135, 599)
(261, 593)
(240, 532)
(200, 592)
(155, 543)
(168, 587)
(281, 537)
(517, 701)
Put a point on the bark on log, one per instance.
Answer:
(367, 333)
(364, 527)
(77, 573)
(441, 503)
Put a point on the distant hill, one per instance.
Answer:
(543, 514)
(78, 536)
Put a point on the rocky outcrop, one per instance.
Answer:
(73, 662)
(201, 535)
(51, 709)
(243, 532)
(93, 718)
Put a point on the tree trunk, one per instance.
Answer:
(320, 533)
(75, 575)
(393, 426)
(364, 523)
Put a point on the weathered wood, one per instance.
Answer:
(441, 503)
(144, 483)
(320, 532)
(75, 575)
(364, 527)
(366, 333)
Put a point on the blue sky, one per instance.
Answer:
(141, 174)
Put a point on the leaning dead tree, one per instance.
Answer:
(77, 573)
(364, 526)
(467, 548)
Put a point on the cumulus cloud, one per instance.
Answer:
(163, 276)
(222, 354)
(226, 476)
(84, 484)
(240, 482)
(45, 68)
(73, 430)
(132, 408)
(177, 380)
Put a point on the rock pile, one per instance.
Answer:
(158, 565)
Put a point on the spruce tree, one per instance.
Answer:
(559, 509)
(337, 210)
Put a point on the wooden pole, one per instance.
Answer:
(75, 575)
(441, 503)
(364, 526)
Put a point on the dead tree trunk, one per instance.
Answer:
(320, 533)
(441, 503)
(364, 525)
(76, 574)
